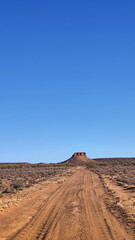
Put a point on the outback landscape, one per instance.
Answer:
(67, 120)
(80, 198)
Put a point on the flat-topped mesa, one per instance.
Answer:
(80, 158)
(79, 154)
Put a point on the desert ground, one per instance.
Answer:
(73, 203)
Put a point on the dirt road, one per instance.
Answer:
(75, 211)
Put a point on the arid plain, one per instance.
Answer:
(68, 202)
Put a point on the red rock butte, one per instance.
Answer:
(80, 158)
(79, 154)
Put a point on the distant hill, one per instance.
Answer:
(115, 160)
(15, 163)
(80, 158)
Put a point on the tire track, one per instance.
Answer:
(47, 216)
(76, 211)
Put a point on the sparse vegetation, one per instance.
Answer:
(122, 175)
(13, 179)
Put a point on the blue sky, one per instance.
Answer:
(67, 79)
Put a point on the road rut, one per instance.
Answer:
(75, 211)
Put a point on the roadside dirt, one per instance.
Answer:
(121, 202)
(72, 209)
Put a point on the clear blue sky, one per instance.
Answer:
(67, 79)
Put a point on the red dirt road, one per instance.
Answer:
(74, 211)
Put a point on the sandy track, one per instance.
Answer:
(75, 211)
